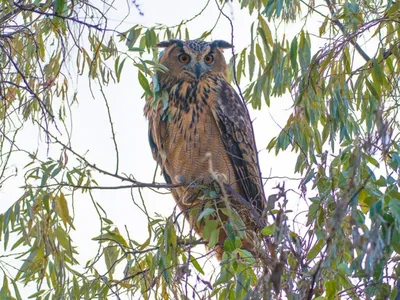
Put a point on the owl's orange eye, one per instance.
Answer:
(184, 58)
(209, 59)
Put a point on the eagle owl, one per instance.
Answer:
(202, 134)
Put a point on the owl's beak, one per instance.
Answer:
(199, 70)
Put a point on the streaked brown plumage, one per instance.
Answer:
(205, 132)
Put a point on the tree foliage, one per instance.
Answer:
(339, 63)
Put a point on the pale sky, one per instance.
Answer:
(91, 133)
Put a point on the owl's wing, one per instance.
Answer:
(155, 134)
(153, 145)
(235, 127)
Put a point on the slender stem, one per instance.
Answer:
(341, 27)
(105, 172)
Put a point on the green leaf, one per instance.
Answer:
(145, 244)
(36, 295)
(372, 89)
(330, 288)
(232, 244)
(111, 259)
(59, 6)
(372, 160)
(322, 29)
(145, 84)
(393, 294)
(239, 69)
(17, 294)
(393, 10)
(316, 249)
(18, 242)
(4, 290)
(251, 63)
(362, 197)
(266, 30)
(55, 172)
(271, 144)
(247, 257)
(108, 221)
(394, 162)
(209, 227)
(395, 241)
(213, 238)
(347, 60)
(251, 57)
(133, 35)
(269, 230)
(119, 69)
(196, 265)
(136, 49)
(377, 74)
(260, 56)
(62, 208)
(208, 211)
(46, 202)
(293, 54)
(111, 236)
(309, 176)
(312, 213)
(394, 206)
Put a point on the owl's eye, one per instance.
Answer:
(209, 59)
(184, 58)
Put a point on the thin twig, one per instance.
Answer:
(105, 172)
(343, 30)
(136, 184)
(111, 125)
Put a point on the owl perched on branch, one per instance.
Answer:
(201, 136)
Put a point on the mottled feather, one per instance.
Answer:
(236, 129)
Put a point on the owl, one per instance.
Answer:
(201, 136)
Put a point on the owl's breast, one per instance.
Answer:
(194, 149)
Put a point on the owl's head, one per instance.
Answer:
(194, 60)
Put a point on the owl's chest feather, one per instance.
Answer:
(190, 111)
(192, 137)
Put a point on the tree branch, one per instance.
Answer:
(93, 166)
(341, 27)
(137, 184)
(112, 127)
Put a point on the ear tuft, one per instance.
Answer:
(163, 44)
(166, 44)
(220, 44)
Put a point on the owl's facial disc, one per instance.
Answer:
(196, 65)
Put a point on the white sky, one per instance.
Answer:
(91, 132)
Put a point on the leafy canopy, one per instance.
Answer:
(339, 63)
